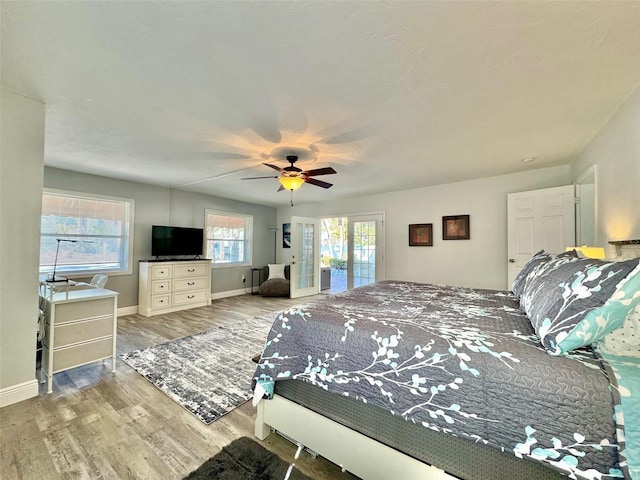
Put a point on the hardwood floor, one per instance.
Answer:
(102, 425)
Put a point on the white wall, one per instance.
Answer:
(21, 166)
(616, 152)
(479, 262)
(156, 205)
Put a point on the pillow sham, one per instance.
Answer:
(521, 278)
(532, 265)
(276, 270)
(625, 340)
(572, 302)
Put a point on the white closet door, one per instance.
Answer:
(536, 220)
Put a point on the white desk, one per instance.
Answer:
(79, 328)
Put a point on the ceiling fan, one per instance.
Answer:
(292, 177)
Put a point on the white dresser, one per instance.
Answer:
(171, 286)
(80, 328)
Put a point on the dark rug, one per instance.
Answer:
(210, 373)
(244, 459)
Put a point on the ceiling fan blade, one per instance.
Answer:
(281, 188)
(275, 167)
(318, 183)
(319, 171)
(256, 178)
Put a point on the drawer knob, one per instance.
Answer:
(191, 296)
(191, 270)
(191, 283)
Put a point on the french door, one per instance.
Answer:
(365, 241)
(305, 255)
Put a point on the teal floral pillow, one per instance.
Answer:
(521, 278)
(572, 302)
(532, 265)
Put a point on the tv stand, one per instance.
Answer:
(158, 259)
(171, 285)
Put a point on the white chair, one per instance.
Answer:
(99, 281)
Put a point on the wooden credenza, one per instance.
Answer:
(80, 328)
(166, 287)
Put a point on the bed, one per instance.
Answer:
(408, 380)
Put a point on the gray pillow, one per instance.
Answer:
(541, 257)
(521, 278)
(560, 293)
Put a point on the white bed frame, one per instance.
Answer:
(354, 452)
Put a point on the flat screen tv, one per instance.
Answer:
(173, 241)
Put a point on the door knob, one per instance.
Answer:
(512, 260)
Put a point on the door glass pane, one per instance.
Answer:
(364, 252)
(334, 247)
(305, 255)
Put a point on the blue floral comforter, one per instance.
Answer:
(456, 360)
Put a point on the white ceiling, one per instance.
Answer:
(392, 94)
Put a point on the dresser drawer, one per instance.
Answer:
(70, 312)
(172, 286)
(159, 272)
(181, 284)
(188, 297)
(70, 333)
(80, 354)
(191, 270)
(160, 301)
(160, 286)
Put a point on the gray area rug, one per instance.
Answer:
(209, 373)
(244, 459)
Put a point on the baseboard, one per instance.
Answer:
(18, 393)
(132, 310)
(230, 293)
(214, 296)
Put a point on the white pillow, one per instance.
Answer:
(276, 271)
(624, 340)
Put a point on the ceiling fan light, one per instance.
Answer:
(291, 183)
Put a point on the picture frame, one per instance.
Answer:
(421, 235)
(286, 235)
(456, 227)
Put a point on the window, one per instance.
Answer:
(229, 238)
(87, 233)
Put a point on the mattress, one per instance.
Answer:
(457, 456)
